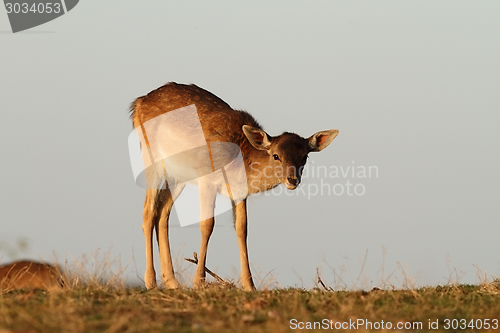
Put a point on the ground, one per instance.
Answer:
(221, 308)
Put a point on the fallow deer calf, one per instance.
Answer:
(265, 162)
(30, 275)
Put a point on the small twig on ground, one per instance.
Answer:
(321, 281)
(195, 261)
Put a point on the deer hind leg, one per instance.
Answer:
(241, 233)
(207, 205)
(150, 218)
(167, 269)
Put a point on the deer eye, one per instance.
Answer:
(276, 157)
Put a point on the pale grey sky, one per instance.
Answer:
(413, 88)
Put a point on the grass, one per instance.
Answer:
(227, 309)
(96, 299)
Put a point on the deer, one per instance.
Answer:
(264, 162)
(30, 275)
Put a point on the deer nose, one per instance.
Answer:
(292, 180)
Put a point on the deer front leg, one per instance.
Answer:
(241, 233)
(207, 205)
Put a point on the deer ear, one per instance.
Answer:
(257, 137)
(319, 141)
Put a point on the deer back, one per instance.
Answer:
(30, 275)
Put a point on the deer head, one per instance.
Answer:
(287, 152)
